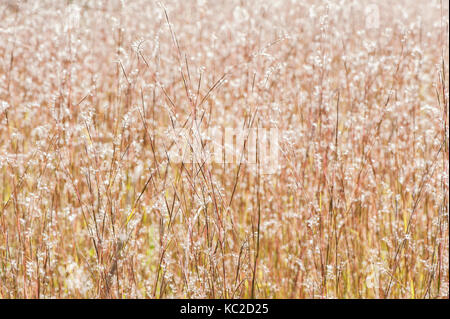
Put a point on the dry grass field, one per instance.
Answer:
(95, 204)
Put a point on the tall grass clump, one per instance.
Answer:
(95, 205)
